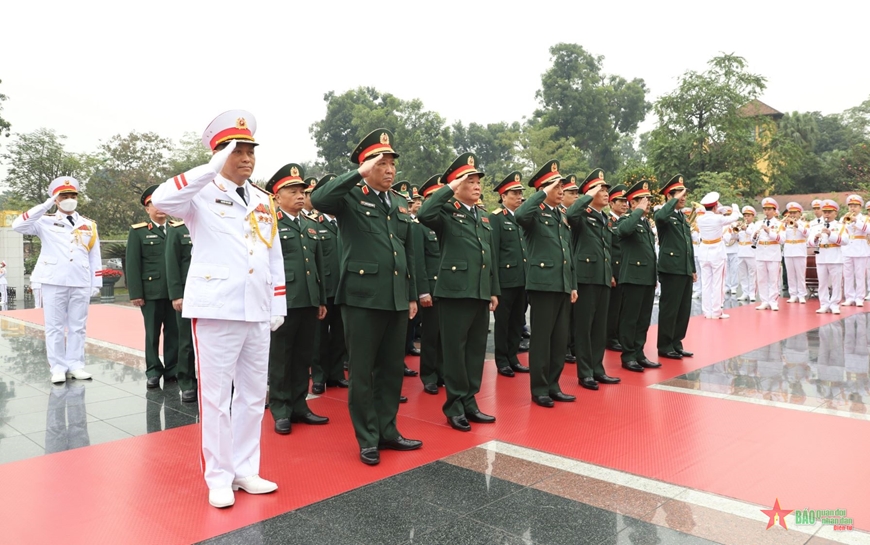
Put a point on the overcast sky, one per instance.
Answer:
(94, 68)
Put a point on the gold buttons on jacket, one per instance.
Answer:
(453, 268)
(388, 218)
(672, 253)
(587, 260)
(542, 265)
(149, 278)
(508, 266)
(362, 271)
(367, 214)
(396, 273)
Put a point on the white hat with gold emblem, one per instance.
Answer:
(64, 184)
(232, 125)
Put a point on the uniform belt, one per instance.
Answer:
(746, 244)
(717, 241)
(767, 242)
(853, 237)
(829, 246)
(799, 241)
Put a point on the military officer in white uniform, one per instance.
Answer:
(856, 255)
(711, 255)
(68, 269)
(829, 236)
(234, 295)
(767, 237)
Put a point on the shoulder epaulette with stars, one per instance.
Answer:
(139, 225)
(178, 223)
(87, 219)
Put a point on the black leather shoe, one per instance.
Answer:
(524, 346)
(400, 443)
(570, 358)
(153, 382)
(685, 353)
(340, 383)
(414, 351)
(309, 418)
(505, 371)
(459, 423)
(644, 362)
(403, 399)
(169, 380)
(519, 368)
(616, 347)
(479, 417)
(410, 372)
(431, 388)
(632, 366)
(440, 382)
(543, 401)
(672, 355)
(370, 456)
(282, 426)
(563, 397)
(318, 388)
(188, 396)
(604, 379)
(589, 383)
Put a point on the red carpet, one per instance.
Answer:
(149, 489)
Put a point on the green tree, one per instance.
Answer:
(858, 118)
(588, 107)
(5, 126)
(186, 154)
(494, 144)
(704, 126)
(35, 159)
(422, 138)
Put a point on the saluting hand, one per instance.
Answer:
(454, 185)
(49, 203)
(592, 192)
(220, 158)
(368, 165)
(644, 204)
(680, 194)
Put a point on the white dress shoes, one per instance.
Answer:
(221, 497)
(763, 306)
(58, 378)
(803, 300)
(79, 374)
(254, 485)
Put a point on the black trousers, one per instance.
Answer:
(634, 319)
(590, 336)
(549, 343)
(675, 309)
(509, 320)
(328, 364)
(290, 353)
(431, 353)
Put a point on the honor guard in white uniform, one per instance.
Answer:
(234, 295)
(3, 284)
(818, 218)
(68, 269)
(711, 255)
(828, 236)
(856, 256)
(767, 237)
(794, 253)
(746, 256)
(698, 286)
(729, 236)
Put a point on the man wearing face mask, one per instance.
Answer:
(68, 271)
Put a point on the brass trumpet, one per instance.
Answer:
(792, 222)
(849, 218)
(739, 226)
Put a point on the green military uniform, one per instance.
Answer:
(375, 287)
(291, 349)
(427, 253)
(569, 182)
(509, 246)
(146, 279)
(403, 188)
(178, 248)
(676, 267)
(637, 276)
(592, 263)
(549, 282)
(466, 282)
(327, 367)
(613, 310)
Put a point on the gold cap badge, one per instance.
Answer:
(554, 168)
(241, 123)
(646, 186)
(471, 160)
(385, 139)
(294, 171)
(516, 177)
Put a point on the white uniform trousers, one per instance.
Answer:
(746, 273)
(731, 273)
(769, 277)
(830, 284)
(796, 270)
(65, 308)
(713, 286)
(37, 297)
(855, 277)
(698, 286)
(230, 353)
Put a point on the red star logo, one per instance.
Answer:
(777, 511)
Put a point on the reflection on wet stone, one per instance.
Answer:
(66, 424)
(825, 368)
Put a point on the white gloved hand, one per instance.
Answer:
(218, 159)
(735, 208)
(95, 292)
(276, 322)
(49, 203)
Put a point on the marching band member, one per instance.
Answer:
(795, 253)
(767, 237)
(711, 255)
(817, 212)
(729, 236)
(746, 256)
(828, 237)
(856, 256)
